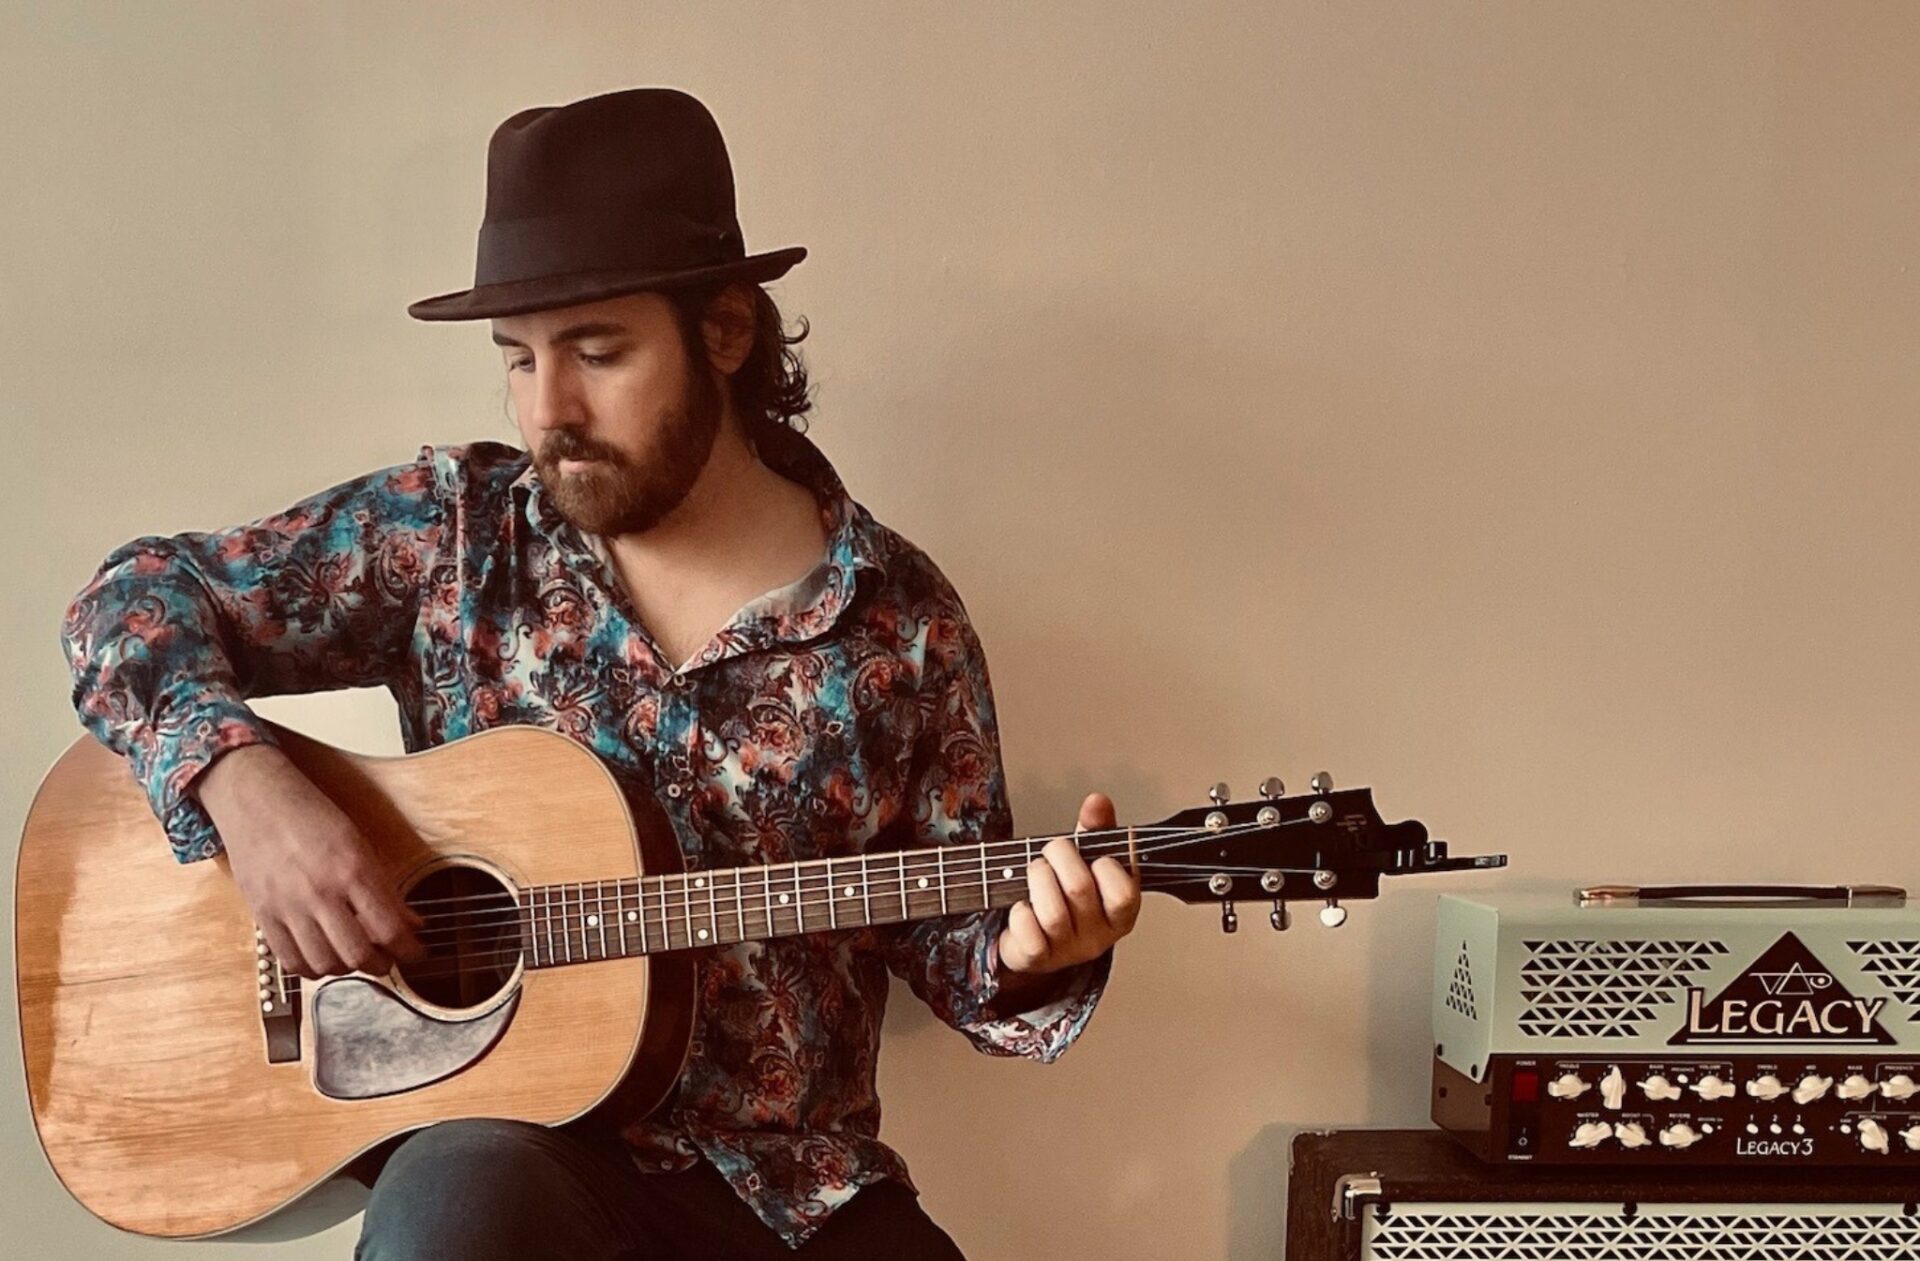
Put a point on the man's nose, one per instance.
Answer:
(554, 400)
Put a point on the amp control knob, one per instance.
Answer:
(1855, 1087)
(1658, 1087)
(1873, 1135)
(1911, 1136)
(1591, 1134)
(1631, 1134)
(1811, 1087)
(1679, 1134)
(1567, 1086)
(1767, 1087)
(1898, 1086)
(1613, 1088)
(1711, 1088)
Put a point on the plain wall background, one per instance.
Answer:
(1509, 406)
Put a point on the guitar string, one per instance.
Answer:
(498, 960)
(887, 876)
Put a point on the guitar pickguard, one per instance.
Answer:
(369, 1042)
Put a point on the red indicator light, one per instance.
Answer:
(1526, 1086)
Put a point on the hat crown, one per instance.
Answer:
(657, 148)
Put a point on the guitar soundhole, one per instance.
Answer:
(472, 936)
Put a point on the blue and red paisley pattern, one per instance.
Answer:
(850, 710)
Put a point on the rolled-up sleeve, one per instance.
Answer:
(173, 633)
(959, 794)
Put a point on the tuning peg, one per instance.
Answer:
(1229, 922)
(1322, 782)
(1272, 789)
(1218, 794)
(1278, 916)
(1333, 914)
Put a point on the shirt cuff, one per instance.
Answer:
(1061, 1011)
(185, 743)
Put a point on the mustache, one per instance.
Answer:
(565, 444)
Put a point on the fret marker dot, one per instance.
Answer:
(632, 916)
(699, 883)
(702, 934)
(849, 892)
(923, 882)
(1006, 873)
(592, 920)
(783, 899)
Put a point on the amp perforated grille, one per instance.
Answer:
(1702, 1232)
(1582, 988)
(1460, 989)
(1896, 964)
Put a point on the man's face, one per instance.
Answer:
(617, 418)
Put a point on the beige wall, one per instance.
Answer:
(1509, 406)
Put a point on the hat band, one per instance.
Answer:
(557, 245)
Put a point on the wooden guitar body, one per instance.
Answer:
(140, 982)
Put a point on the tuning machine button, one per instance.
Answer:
(1613, 1088)
(1711, 1087)
(1631, 1134)
(1898, 1086)
(1591, 1134)
(1567, 1086)
(1271, 789)
(1811, 1087)
(1333, 914)
(1679, 1134)
(1229, 922)
(1219, 794)
(1766, 1088)
(1279, 917)
(1658, 1087)
(1873, 1135)
(1855, 1087)
(1321, 782)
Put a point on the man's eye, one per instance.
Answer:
(598, 361)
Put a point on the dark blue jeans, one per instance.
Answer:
(492, 1190)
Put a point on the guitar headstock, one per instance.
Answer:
(1325, 846)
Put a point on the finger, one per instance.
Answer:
(350, 942)
(1078, 886)
(1023, 946)
(1096, 812)
(315, 953)
(281, 942)
(1049, 903)
(1119, 894)
(387, 920)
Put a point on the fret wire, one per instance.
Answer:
(686, 904)
(713, 920)
(986, 894)
(833, 920)
(799, 902)
(866, 893)
(566, 942)
(940, 868)
(600, 897)
(739, 909)
(905, 913)
(640, 911)
(666, 930)
(766, 881)
(580, 911)
(620, 909)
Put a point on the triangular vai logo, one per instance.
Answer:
(1786, 995)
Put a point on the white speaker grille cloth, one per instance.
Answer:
(1655, 1232)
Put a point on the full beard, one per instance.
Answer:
(616, 495)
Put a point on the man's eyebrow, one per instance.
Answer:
(578, 332)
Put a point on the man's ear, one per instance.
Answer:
(728, 328)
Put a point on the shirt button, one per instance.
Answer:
(673, 790)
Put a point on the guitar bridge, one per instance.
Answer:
(279, 998)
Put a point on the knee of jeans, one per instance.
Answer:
(451, 1187)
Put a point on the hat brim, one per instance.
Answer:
(548, 292)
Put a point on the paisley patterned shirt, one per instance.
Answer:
(849, 710)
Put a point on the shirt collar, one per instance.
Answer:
(855, 543)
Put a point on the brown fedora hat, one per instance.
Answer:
(609, 195)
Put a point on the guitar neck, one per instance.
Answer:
(610, 919)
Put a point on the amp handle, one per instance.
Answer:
(1767, 894)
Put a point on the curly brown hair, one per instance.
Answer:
(770, 386)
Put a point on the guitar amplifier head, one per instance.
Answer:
(1703, 1023)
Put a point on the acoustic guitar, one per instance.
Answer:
(184, 1085)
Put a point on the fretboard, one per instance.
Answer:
(610, 919)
